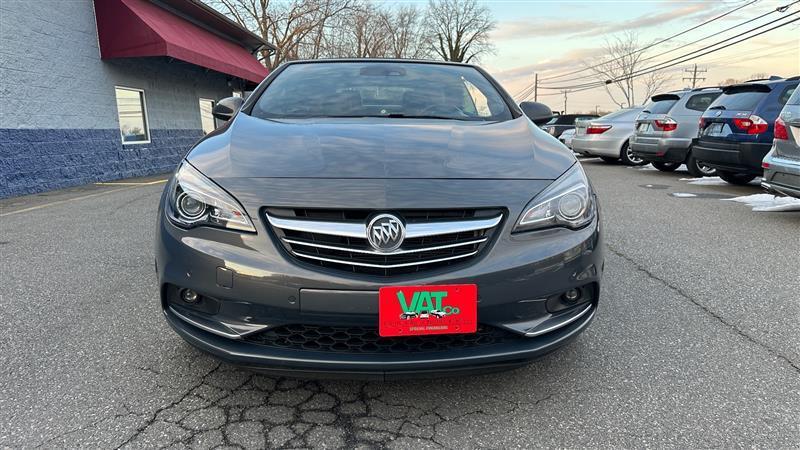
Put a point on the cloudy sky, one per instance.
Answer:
(556, 37)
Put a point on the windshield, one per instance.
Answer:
(619, 114)
(659, 107)
(738, 101)
(378, 89)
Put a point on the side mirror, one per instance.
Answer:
(539, 113)
(227, 108)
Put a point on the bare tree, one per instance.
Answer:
(653, 82)
(296, 27)
(459, 29)
(618, 66)
(407, 38)
(366, 32)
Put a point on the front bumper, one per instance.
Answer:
(515, 276)
(782, 176)
(742, 157)
(661, 149)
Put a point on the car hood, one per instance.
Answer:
(379, 148)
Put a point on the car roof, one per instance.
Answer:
(379, 60)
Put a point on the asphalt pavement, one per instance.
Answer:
(696, 343)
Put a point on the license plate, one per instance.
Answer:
(644, 127)
(431, 309)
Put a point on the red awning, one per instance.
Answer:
(137, 28)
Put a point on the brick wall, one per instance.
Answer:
(58, 123)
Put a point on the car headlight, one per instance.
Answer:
(194, 200)
(568, 202)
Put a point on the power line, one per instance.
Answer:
(688, 57)
(793, 49)
(658, 42)
(649, 58)
(694, 76)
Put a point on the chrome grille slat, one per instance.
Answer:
(359, 230)
(400, 251)
(382, 266)
(337, 239)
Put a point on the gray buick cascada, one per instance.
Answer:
(378, 218)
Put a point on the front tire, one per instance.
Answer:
(666, 166)
(628, 158)
(739, 179)
(698, 169)
(609, 159)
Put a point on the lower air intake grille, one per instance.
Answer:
(366, 339)
(337, 239)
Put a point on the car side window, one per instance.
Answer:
(479, 101)
(795, 98)
(786, 94)
(701, 102)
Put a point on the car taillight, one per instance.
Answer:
(597, 129)
(666, 124)
(751, 125)
(780, 130)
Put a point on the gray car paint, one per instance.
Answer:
(648, 141)
(380, 148)
(610, 143)
(385, 164)
(783, 174)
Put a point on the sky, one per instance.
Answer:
(555, 37)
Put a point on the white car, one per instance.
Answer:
(566, 137)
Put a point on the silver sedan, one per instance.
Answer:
(608, 137)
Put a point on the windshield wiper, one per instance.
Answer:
(718, 107)
(413, 116)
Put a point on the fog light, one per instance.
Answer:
(572, 295)
(189, 296)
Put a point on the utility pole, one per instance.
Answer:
(536, 87)
(694, 76)
(565, 101)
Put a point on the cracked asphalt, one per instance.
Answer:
(696, 343)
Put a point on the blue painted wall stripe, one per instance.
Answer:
(37, 160)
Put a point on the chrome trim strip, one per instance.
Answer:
(372, 252)
(347, 229)
(438, 228)
(359, 230)
(559, 325)
(383, 266)
(203, 326)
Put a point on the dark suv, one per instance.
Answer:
(736, 131)
(564, 122)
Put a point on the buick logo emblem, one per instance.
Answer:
(385, 232)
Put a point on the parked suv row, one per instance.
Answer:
(737, 130)
(667, 127)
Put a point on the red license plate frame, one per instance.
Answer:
(427, 309)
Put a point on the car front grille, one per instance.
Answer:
(337, 239)
(366, 339)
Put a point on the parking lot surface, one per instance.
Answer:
(696, 343)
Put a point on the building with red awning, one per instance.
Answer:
(107, 89)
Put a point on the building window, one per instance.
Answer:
(132, 112)
(206, 119)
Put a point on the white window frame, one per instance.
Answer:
(144, 115)
(213, 119)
